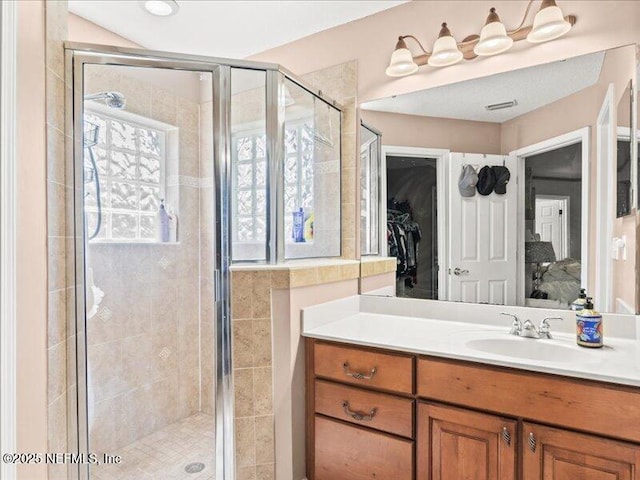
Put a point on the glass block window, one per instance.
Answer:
(130, 158)
(250, 170)
(250, 187)
(298, 173)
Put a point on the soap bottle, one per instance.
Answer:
(589, 326)
(298, 226)
(578, 303)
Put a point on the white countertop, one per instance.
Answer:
(347, 321)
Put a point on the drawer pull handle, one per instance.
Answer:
(506, 436)
(361, 417)
(358, 375)
(532, 442)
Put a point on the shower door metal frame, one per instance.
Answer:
(77, 57)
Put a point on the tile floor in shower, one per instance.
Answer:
(164, 454)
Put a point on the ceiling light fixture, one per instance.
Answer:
(161, 8)
(549, 24)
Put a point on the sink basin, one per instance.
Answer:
(531, 349)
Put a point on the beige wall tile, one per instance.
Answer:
(266, 472)
(241, 294)
(261, 295)
(261, 334)
(242, 343)
(57, 362)
(265, 447)
(243, 392)
(245, 442)
(263, 391)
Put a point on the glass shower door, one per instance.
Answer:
(147, 219)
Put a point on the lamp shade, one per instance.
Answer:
(401, 63)
(548, 24)
(445, 50)
(539, 252)
(493, 37)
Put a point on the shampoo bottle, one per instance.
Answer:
(589, 326)
(578, 303)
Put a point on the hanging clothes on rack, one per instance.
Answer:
(403, 235)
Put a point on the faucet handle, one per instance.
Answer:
(516, 326)
(545, 328)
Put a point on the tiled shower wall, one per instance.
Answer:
(61, 301)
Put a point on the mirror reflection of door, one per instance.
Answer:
(412, 224)
(553, 214)
(482, 237)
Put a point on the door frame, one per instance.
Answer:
(566, 231)
(605, 192)
(8, 220)
(442, 163)
(582, 136)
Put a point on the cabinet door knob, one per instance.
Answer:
(506, 436)
(361, 417)
(532, 442)
(358, 375)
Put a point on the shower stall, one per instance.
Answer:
(182, 164)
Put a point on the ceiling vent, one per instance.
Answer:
(501, 106)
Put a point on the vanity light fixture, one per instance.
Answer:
(445, 50)
(549, 24)
(161, 8)
(493, 37)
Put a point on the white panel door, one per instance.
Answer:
(550, 224)
(482, 237)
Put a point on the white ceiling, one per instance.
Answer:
(231, 29)
(531, 87)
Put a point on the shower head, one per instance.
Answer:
(112, 99)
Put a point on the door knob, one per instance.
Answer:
(458, 271)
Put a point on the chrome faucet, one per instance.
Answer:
(528, 329)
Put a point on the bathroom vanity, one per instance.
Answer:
(434, 405)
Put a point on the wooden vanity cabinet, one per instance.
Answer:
(438, 419)
(555, 454)
(455, 443)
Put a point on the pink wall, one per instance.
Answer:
(370, 40)
(31, 239)
(289, 370)
(429, 132)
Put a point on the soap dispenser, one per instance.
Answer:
(589, 326)
(578, 303)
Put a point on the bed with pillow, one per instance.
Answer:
(561, 281)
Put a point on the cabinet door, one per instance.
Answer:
(553, 454)
(455, 444)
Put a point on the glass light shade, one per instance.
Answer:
(401, 63)
(493, 40)
(548, 24)
(445, 52)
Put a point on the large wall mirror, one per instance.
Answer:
(517, 188)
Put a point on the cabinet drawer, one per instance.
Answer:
(368, 409)
(365, 368)
(350, 453)
(582, 405)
